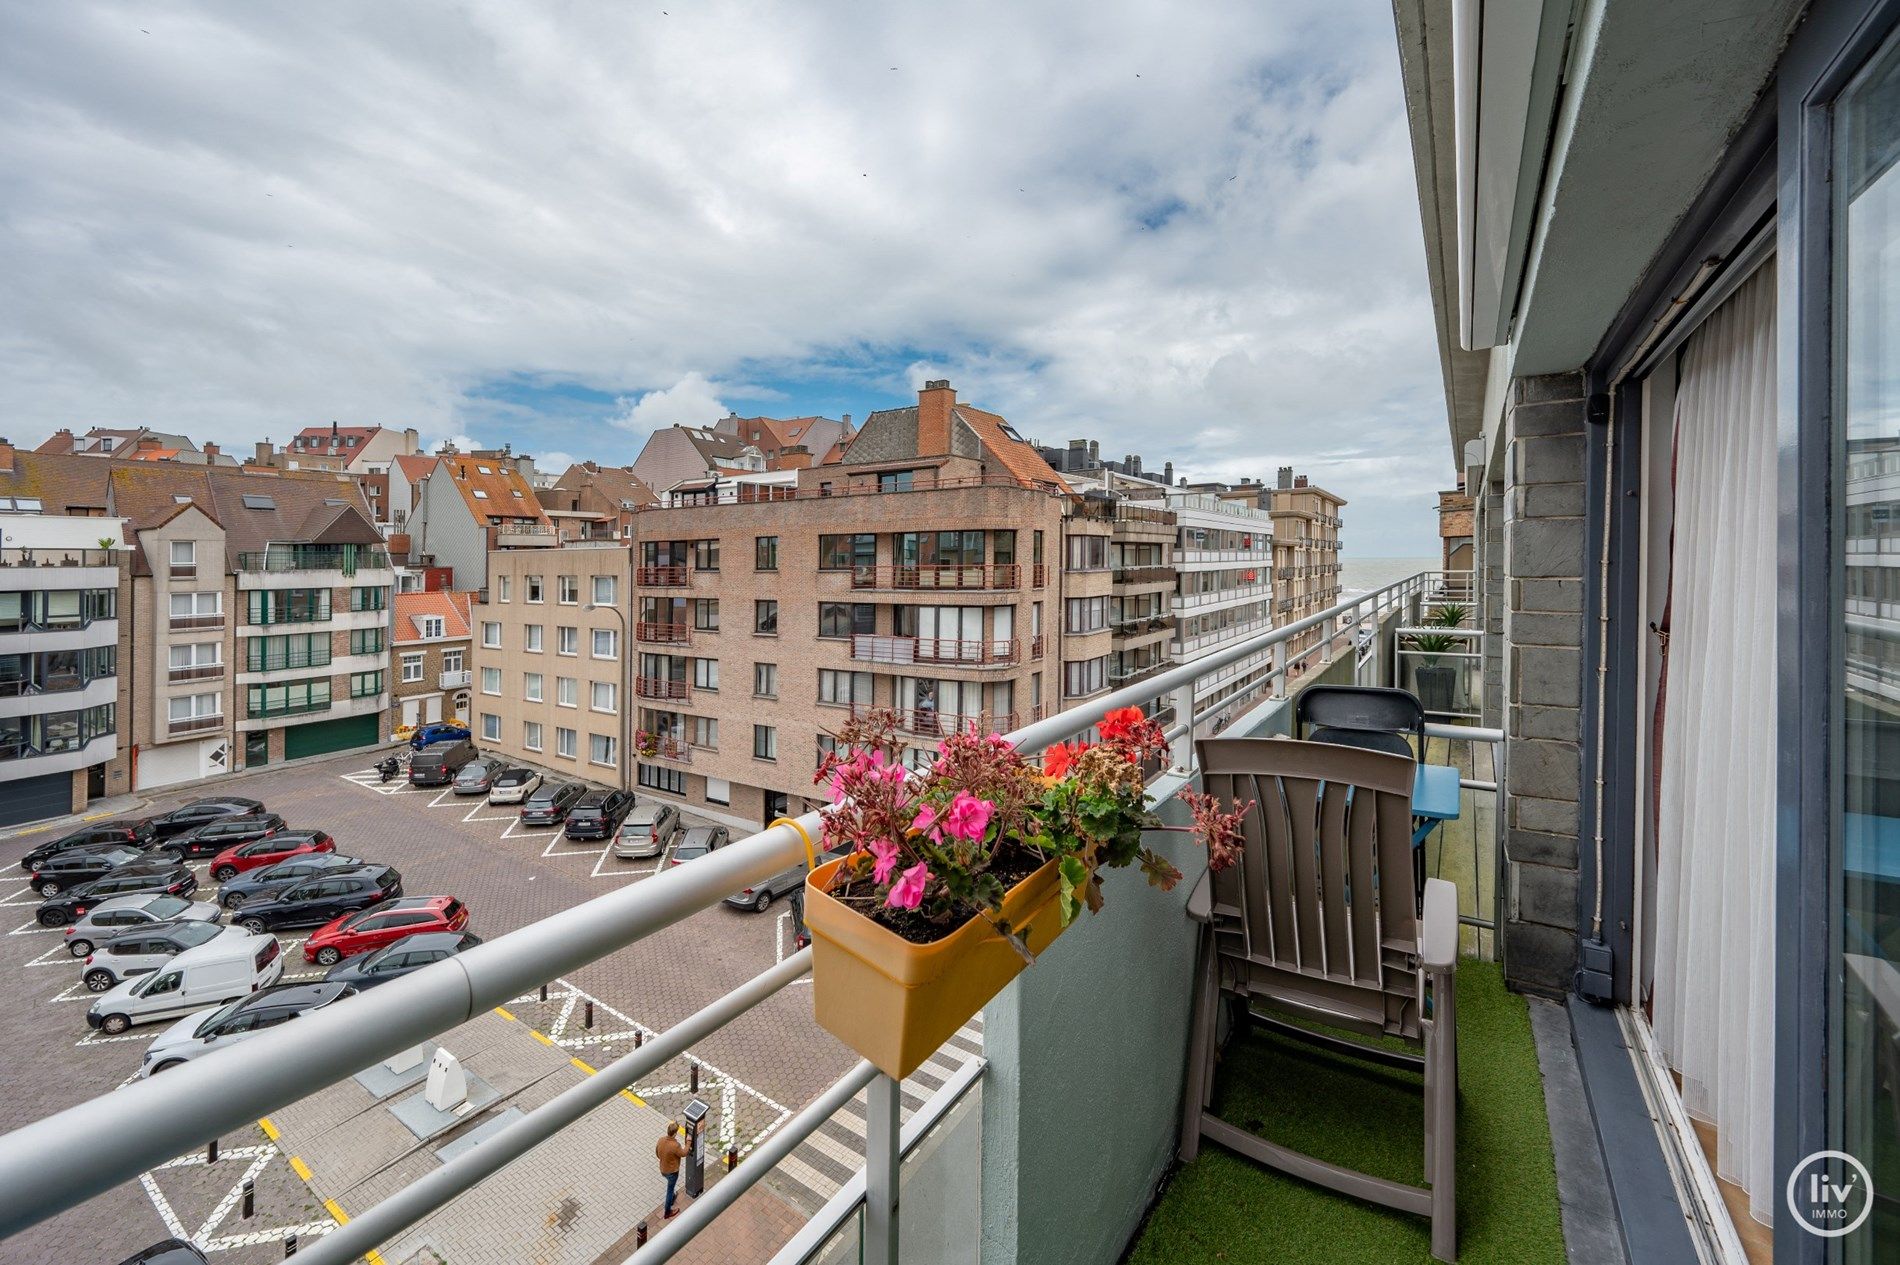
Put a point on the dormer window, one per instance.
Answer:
(432, 626)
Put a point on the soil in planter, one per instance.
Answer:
(1011, 862)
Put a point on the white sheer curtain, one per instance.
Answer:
(1714, 987)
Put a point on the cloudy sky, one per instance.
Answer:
(1185, 229)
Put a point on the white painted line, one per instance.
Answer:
(75, 991)
(58, 955)
(510, 832)
(93, 1038)
(258, 1238)
(163, 1205)
(484, 804)
(437, 801)
(32, 927)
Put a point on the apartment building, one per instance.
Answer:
(356, 449)
(1306, 521)
(255, 623)
(467, 504)
(62, 694)
(590, 501)
(431, 653)
(680, 454)
(134, 443)
(777, 438)
(1455, 519)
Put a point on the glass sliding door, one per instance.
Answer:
(1866, 1034)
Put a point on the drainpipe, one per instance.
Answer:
(1595, 969)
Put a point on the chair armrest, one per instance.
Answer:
(1438, 931)
(1200, 904)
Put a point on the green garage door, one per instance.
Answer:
(34, 798)
(326, 736)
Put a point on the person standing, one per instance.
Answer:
(669, 1152)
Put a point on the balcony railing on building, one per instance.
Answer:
(943, 651)
(516, 535)
(183, 571)
(661, 632)
(194, 724)
(664, 747)
(456, 680)
(273, 711)
(662, 687)
(193, 623)
(906, 577)
(287, 660)
(1144, 575)
(197, 672)
(926, 722)
(665, 576)
(348, 559)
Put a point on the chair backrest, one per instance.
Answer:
(1373, 717)
(1327, 909)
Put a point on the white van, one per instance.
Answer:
(225, 969)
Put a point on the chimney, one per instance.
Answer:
(1184, 480)
(1134, 465)
(411, 441)
(1167, 473)
(6, 456)
(1300, 482)
(1095, 453)
(264, 453)
(796, 457)
(934, 403)
(211, 454)
(148, 443)
(847, 421)
(1286, 477)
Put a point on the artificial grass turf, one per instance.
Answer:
(1228, 1209)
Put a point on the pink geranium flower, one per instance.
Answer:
(969, 817)
(908, 893)
(925, 821)
(885, 853)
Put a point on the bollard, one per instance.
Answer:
(587, 1017)
(636, 1038)
(732, 1158)
(544, 992)
(290, 1246)
(250, 1198)
(693, 1078)
(211, 1151)
(640, 1235)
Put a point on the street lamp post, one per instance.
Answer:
(626, 695)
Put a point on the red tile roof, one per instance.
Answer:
(1016, 455)
(451, 607)
(503, 493)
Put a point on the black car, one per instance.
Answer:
(476, 777)
(81, 865)
(215, 836)
(597, 814)
(275, 878)
(315, 901)
(170, 1252)
(437, 765)
(133, 834)
(550, 803)
(198, 812)
(152, 876)
(411, 953)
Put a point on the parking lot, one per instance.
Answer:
(754, 1073)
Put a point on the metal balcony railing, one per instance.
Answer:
(447, 680)
(932, 576)
(188, 623)
(942, 651)
(193, 725)
(345, 558)
(197, 672)
(56, 557)
(662, 687)
(933, 724)
(183, 571)
(677, 750)
(668, 576)
(155, 1120)
(661, 632)
(1144, 575)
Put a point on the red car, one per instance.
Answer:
(384, 924)
(269, 850)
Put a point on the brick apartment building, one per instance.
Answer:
(941, 570)
(431, 656)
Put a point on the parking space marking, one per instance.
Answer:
(30, 927)
(783, 935)
(24, 890)
(58, 955)
(480, 805)
(75, 991)
(207, 1237)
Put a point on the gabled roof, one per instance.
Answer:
(415, 467)
(616, 483)
(1011, 451)
(717, 448)
(256, 508)
(452, 608)
(492, 489)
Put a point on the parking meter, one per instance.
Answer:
(696, 1147)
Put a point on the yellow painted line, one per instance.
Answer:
(336, 1210)
(373, 1257)
(583, 1066)
(542, 1037)
(505, 1014)
(633, 1098)
(299, 1167)
(270, 1130)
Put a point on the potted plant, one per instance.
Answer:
(646, 744)
(954, 878)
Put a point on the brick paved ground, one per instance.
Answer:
(760, 1068)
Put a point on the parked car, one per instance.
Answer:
(646, 831)
(170, 1252)
(759, 897)
(286, 874)
(279, 845)
(197, 1035)
(392, 961)
(316, 901)
(81, 865)
(198, 812)
(438, 731)
(698, 841)
(550, 802)
(144, 949)
(511, 786)
(596, 815)
(135, 878)
(220, 970)
(384, 924)
(110, 918)
(476, 777)
(130, 834)
(437, 765)
(215, 836)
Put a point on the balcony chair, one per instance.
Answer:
(1372, 717)
(1304, 927)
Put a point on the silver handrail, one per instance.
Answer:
(155, 1120)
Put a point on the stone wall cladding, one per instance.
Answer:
(1534, 559)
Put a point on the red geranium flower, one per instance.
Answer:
(1120, 722)
(1059, 759)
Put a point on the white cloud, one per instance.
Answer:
(692, 401)
(1141, 222)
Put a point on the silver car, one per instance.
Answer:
(647, 831)
(120, 914)
(198, 1034)
(144, 949)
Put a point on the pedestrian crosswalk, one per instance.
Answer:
(824, 1162)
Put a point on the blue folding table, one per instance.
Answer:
(1435, 799)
